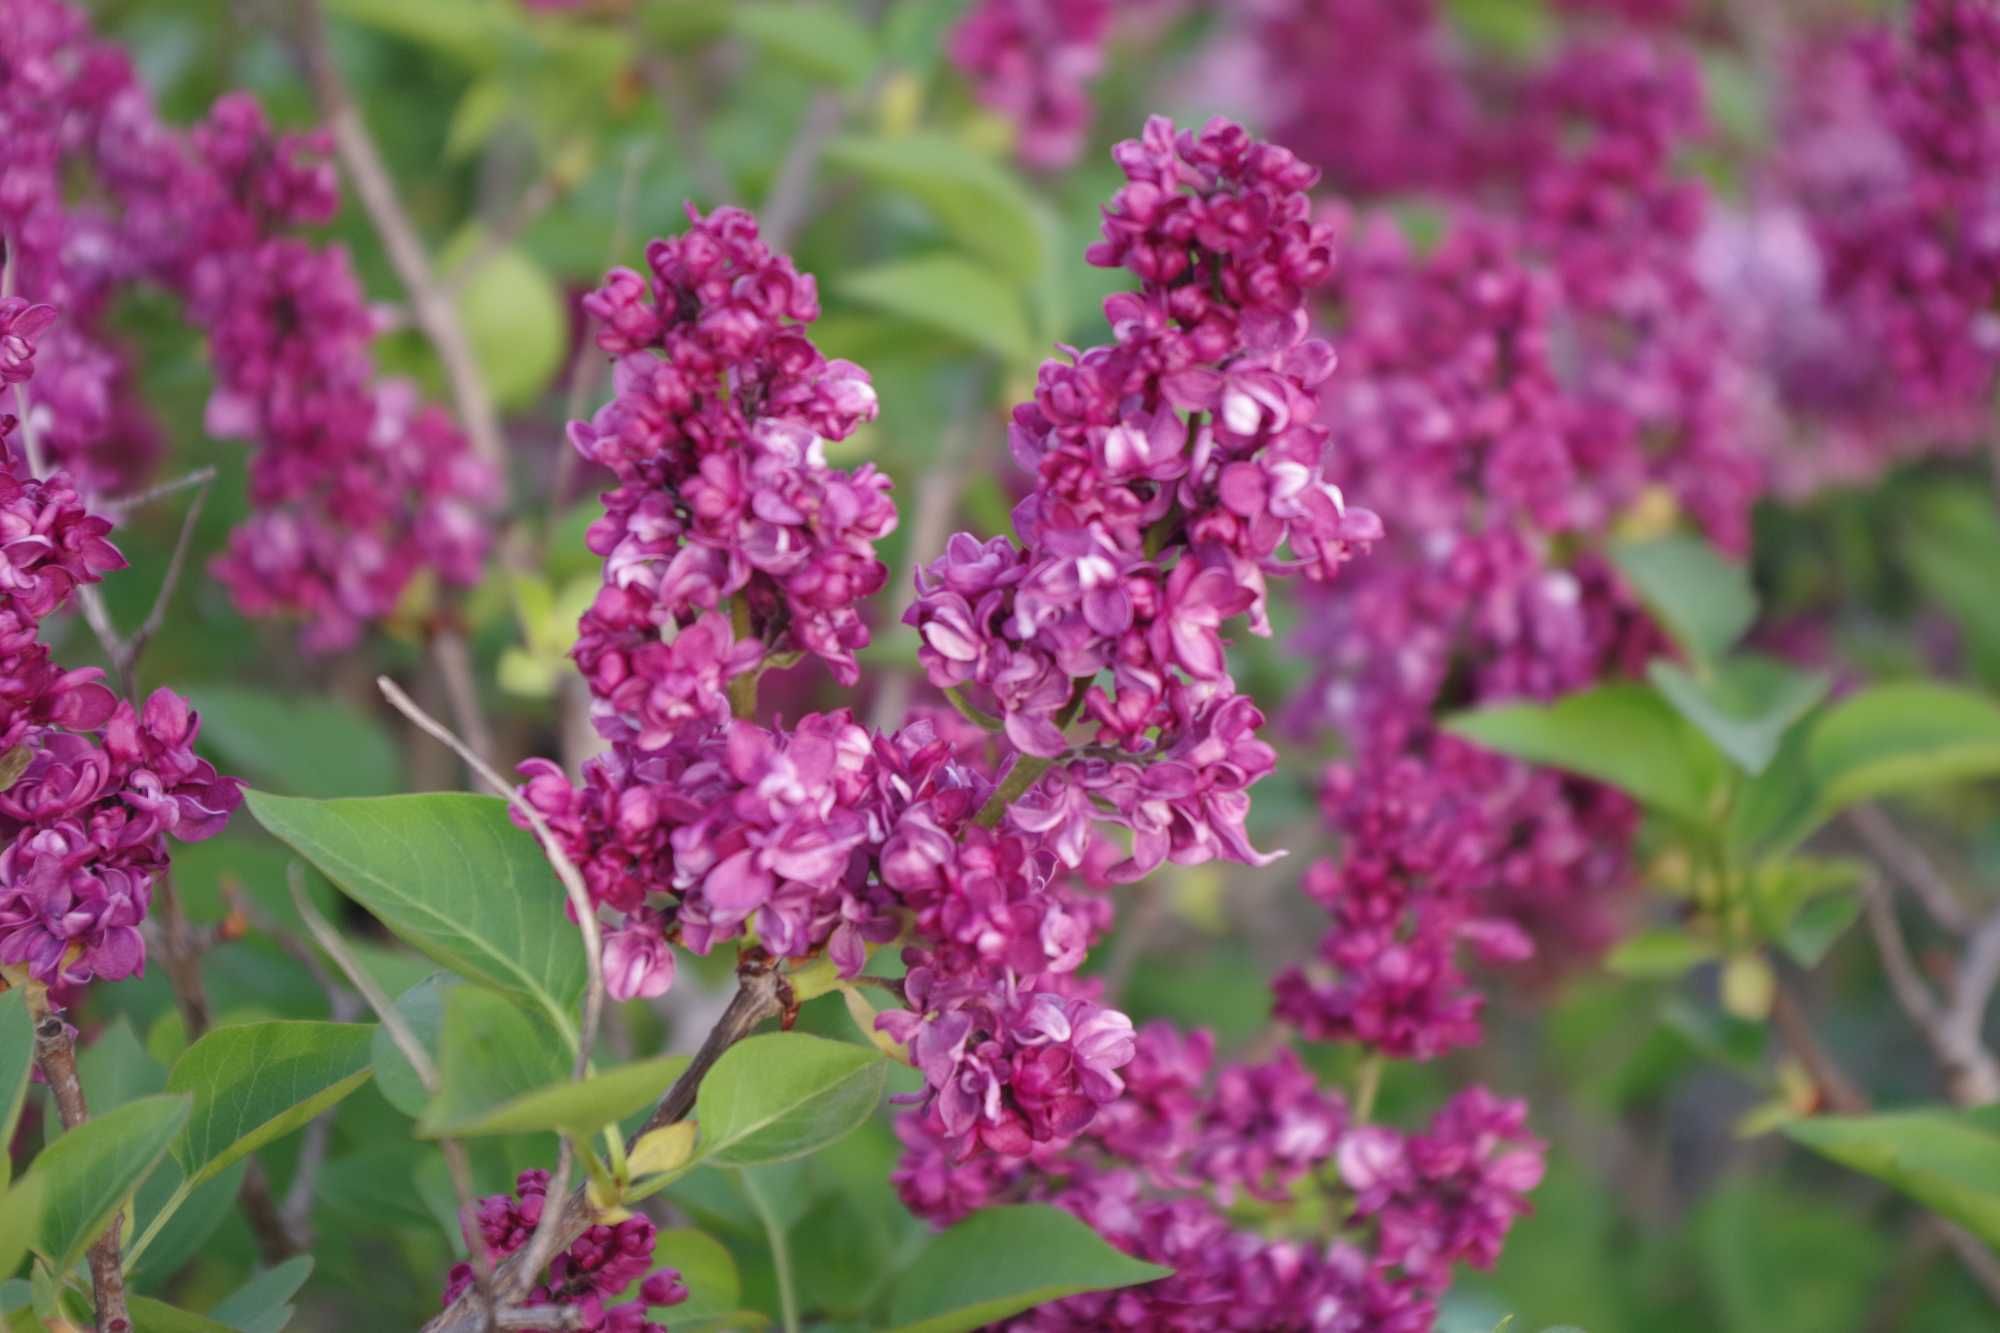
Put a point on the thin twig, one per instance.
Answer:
(430, 305)
(537, 199)
(1902, 857)
(461, 686)
(759, 995)
(683, 122)
(791, 191)
(122, 505)
(481, 1305)
(55, 1052)
(543, 1244)
(135, 643)
(1972, 1076)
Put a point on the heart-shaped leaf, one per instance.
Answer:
(1001, 1261)
(1703, 600)
(1745, 707)
(576, 1109)
(452, 875)
(1947, 1160)
(491, 1051)
(257, 1082)
(86, 1175)
(783, 1095)
(17, 1067)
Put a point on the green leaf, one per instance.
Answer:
(472, 33)
(115, 1068)
(20, 1216)
(478, 114)
(515, 318)
(1001, 1261)
(86, 1175)
(422, 1008)
(193, 1215)
(304, 745)
(1702, 600)
(783, 1095)
(704, 1263)
(1624, 734)
(1660, 953)
(451, 875)
(491, 1052)
(1745, 707)
(263, 1304)
(973, 197)
(1947, 1160)
(824, 42)
(1898, 738)
(577, 1109)
(1952, 547)
(155, 1316)
(17, 1067)
(257, 1082)
(1805, 903)
(951, 295)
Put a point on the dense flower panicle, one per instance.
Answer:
(716, 435)
(1400, 116)
(1889, 147)
(1031, 61)
(586, 1278)
(356, 488)
(1448, 1195)
(1174, 469)
(95, 787)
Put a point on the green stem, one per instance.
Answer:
(743, 688)
(1027, 769)
(160, 1219)
(1367, 1082)
(781, 1251)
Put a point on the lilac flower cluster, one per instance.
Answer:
(93, 785)
(599, 1266)
(1031, 61)
(358, 487)
(1400, 116)
(1157, 1172)
(1868, 270)
(1174, 469)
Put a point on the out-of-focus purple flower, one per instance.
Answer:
(1031, 61)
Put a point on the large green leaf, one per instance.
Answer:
(714, 1288)
(85, 1176)
(824, 42)
(1901, 737)
(422, 1009)
(257, 1082)
(491, 1052)
(515, 318)
(975, 198)
(263, 1304)
(1947, 1160)
(191, 1216)
(20, 1218)
(156, 1316)
(452, 875)
(17, 1067)
(1624, 734)
(115, 1067)
(952, 295)
(1746, 706)
(304, 745)
(783, 1095)
(1001, 1261)
(1701, 599)
(577, 1109)
(1952, 547)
